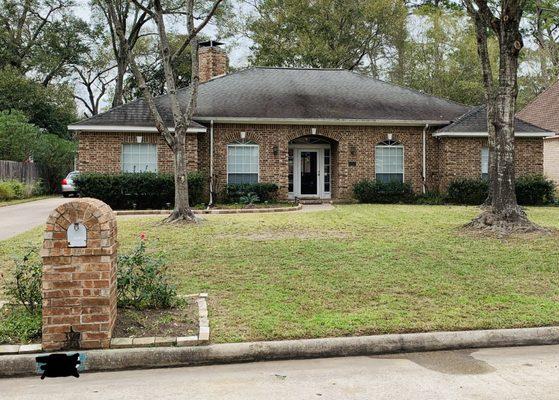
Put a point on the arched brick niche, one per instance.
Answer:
(79, 277)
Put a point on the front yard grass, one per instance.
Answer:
(4, 203)
(356, 270)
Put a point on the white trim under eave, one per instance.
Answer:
(484, 134)
(319, 121)
(124, 128)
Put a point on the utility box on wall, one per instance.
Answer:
(79, 276)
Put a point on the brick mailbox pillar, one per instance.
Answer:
(79, 276)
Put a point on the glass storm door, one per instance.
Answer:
(309, 172)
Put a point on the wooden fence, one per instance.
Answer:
(24, 172)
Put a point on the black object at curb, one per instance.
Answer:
(161, 357)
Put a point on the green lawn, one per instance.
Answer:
(357, 270)
(4, 203)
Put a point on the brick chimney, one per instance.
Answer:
(212, 59)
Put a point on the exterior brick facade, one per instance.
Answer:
(551, 158)
(79, 283)
(102, 152)
(461, 158)
(352, 147)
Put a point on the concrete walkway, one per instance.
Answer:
(19, 218)
(500, 373)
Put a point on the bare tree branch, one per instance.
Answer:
(193, 31)
(159, 123)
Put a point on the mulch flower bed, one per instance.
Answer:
(181, 321)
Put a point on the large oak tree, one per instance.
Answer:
(501, 18)
(182, 113)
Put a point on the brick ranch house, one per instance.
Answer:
(543, 111)
(314, 132)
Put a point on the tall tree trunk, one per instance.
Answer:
(503, 213)
(182, 210)
(122, 64)
(504, 196)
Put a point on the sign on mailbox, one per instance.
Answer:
(77, 235)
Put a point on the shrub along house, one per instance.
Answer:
(313, 132)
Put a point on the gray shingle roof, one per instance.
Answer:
(476, 121)
(291, 93)
(543, 111)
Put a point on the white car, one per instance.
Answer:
(67, 184)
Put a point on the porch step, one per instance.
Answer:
(311, 201)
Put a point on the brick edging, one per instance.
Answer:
(155, 341)
(149, 341)
(214, 211)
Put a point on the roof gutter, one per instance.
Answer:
(320, 121)
(126, 128)
(484, 134)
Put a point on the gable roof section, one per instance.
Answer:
(294, 95)
(474, 123)
(543, 111)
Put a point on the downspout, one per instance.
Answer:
(211, 203)
(425, 158)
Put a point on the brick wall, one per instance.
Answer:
(79, 283)
(461, 158)
(213, 62)
(551, 159)
(101, 152)
(447, 158)
(344, 139)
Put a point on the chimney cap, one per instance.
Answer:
(210, 43)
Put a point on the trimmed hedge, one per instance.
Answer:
(467, 191)
(146, 190)
(264, 191)
(535, 190)
(374, 191)
(532, 190)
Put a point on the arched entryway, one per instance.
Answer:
(311, 173)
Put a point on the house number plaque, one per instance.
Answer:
(77, 235)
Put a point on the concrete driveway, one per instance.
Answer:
(503, 373)
(19, 218)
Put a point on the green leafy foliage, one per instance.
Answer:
(24, 287)
(535, 190)
(6, 191)
(142, 280)
(249, 198)
(263, 191)
(55, 157)
(373, 191)
(51, 108)
(430, 198)
(531, 190)
(17, 325)
(442, 60)
(12, 189)
(17, 136)
(467, 191)
(325, 33)
(144, 190)
(21, 140)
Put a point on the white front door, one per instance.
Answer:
(308, 172)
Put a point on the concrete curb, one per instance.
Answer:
(214, 211)
(118, 359)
